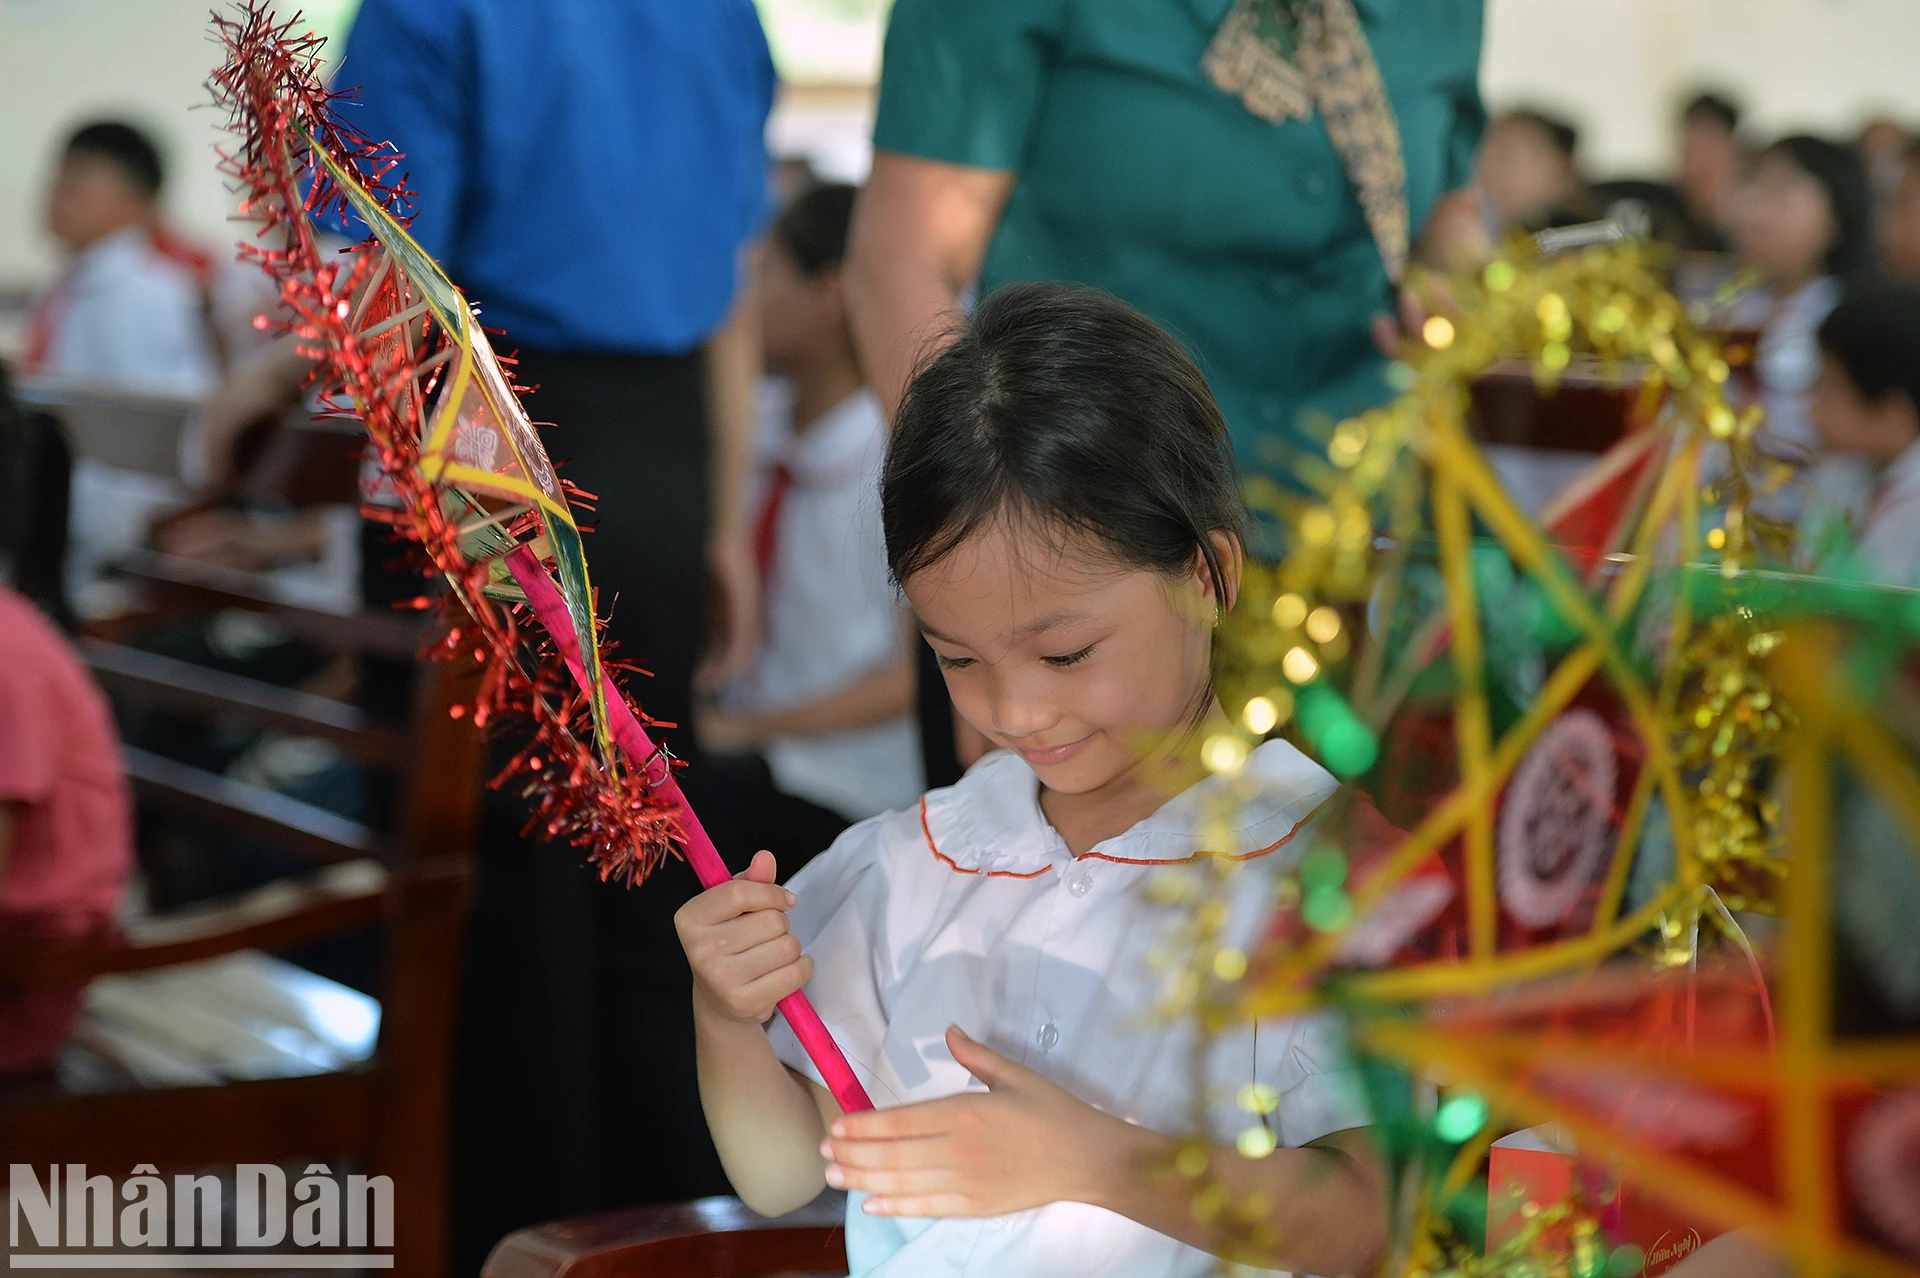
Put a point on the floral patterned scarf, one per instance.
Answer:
(1284, 58)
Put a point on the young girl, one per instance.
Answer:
(1804, 219)
(1061, 511)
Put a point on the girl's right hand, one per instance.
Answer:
(745, 958)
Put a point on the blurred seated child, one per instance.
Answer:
(128, 309)
(825, 714)
(1711, 159)
(1866, 404)
(1900, 221)
(66, 831)
(1528, 174)
(1804, 220)
(130, 304)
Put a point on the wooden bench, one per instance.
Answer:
(383, 1112)
(305, 460)
(128, 429)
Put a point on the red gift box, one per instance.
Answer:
(1527, 1168)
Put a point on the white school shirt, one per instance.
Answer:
(968, 909)
(1787, 359)
(832, 617)
(123, 314)
(127, 314)
(1874, 511)
(1890, 532)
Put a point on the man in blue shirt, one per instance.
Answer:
(586, 172)
(590, 173)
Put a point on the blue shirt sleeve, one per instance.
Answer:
(412, 63)
(755, 200)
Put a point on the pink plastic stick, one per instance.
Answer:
(551, 609)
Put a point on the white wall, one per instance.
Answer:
(64, 62)
(1615, 65)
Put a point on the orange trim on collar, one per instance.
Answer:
(957, 868)
(1218, 856)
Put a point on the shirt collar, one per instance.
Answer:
(991, 823)
(841, 443)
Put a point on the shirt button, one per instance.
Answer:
(1080, 882)
(1048, 1037)
(1313, 184)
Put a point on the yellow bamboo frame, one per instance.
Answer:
(1808, 1065)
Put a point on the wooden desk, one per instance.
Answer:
(707, 1238)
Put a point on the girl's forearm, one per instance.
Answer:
(765, 1121)
(1325, 1201)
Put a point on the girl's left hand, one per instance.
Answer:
(1025, 1143)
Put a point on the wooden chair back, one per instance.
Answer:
(296, 458)
(386, 1117)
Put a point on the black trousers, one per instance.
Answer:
(575, 1087)
(758, 814)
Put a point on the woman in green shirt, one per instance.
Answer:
(1250, 173)
(1177, 153)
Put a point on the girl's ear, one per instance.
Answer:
(1227, 553)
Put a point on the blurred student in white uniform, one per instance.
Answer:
(130, 303)
(1866, 405)
(128, 309)
(823, 722)
(1804, 220)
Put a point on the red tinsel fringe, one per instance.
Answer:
(270, 84)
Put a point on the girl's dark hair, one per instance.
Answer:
(813, 228)
(1065, 406)
(1839, 170)
(1875, 337)
(36, 468)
